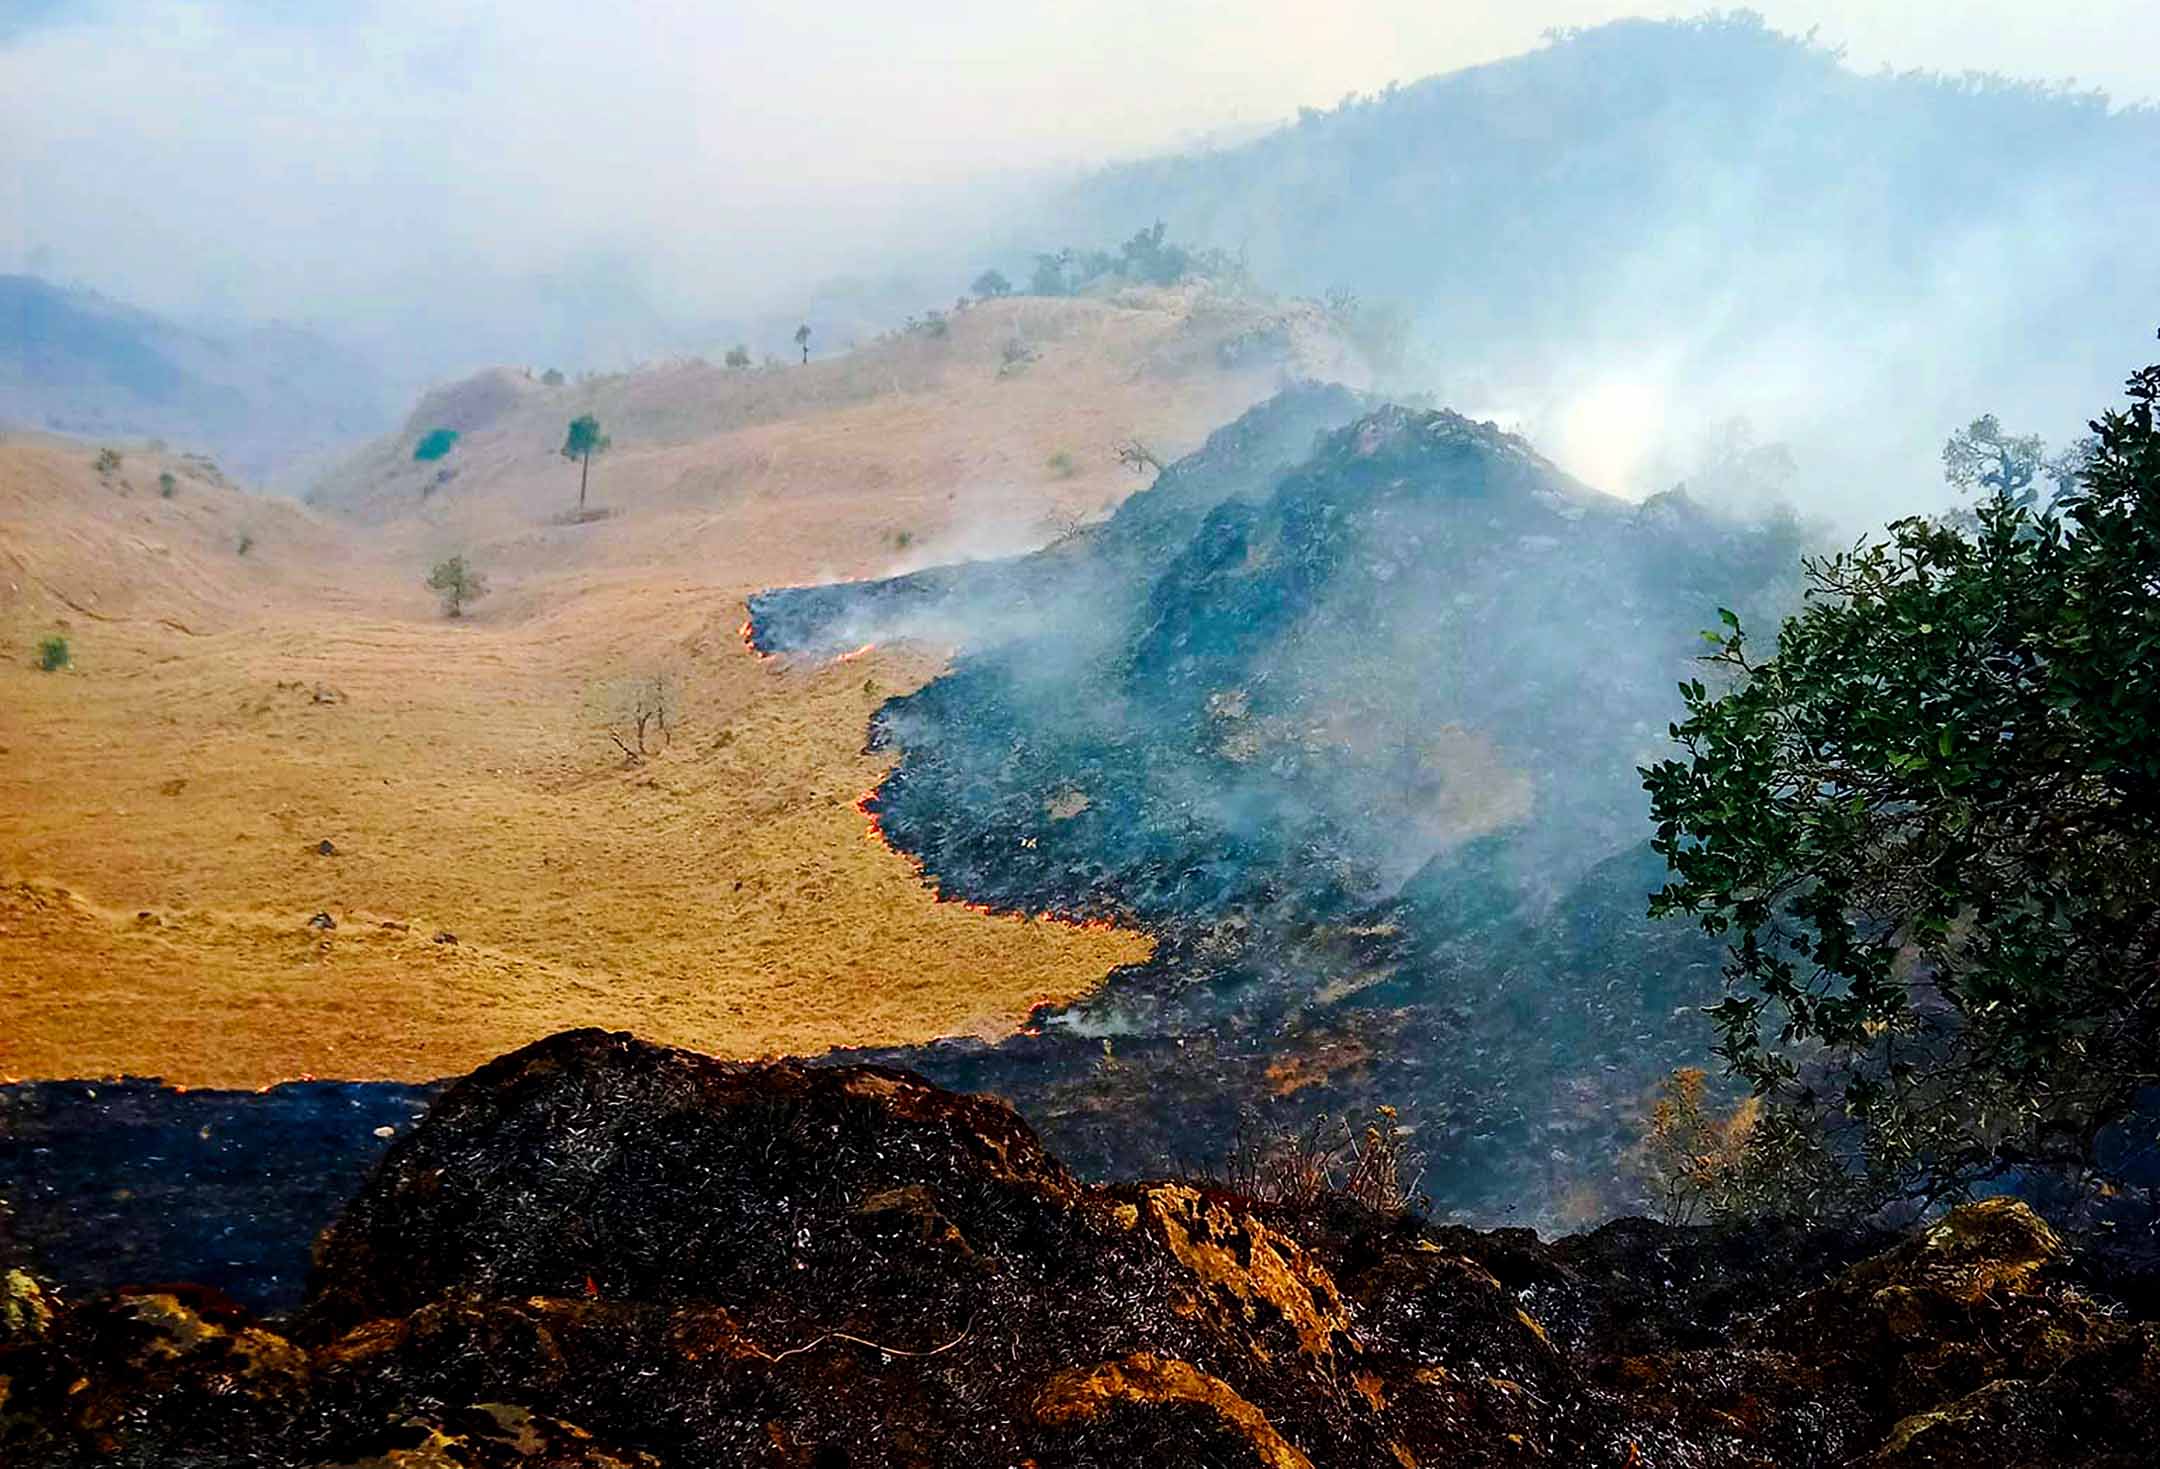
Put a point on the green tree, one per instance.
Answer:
(434, 444)
(54, 654)
(1982, 458)
(802, 340)
(991, 284)
(738, 356)
(583, 441)
(457, 584)
(1930, 827)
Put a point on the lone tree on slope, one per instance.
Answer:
(585, 440)
(457, 583)
(802, 340)
(992, 284)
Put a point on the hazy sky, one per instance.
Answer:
(345, 162)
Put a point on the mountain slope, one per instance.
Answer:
(1350, 724)
(1638, 231)
(265, 401)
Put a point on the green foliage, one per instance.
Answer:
(1929, 828)
(991, 284)
(1061, 464)
(167, 486)
(457, 584)
(247, 544)
(584, 438)
(53, 654)
(1148, 258)
(108, 461)
(582, 442)
(738, 356)
(434, 444)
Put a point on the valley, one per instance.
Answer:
(166, 799)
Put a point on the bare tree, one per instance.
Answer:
(1138, 457)
(640, 711)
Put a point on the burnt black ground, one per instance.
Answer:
(1346, 711)
(129, 1182)
(598, 1252)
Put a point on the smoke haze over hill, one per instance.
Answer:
(1608, 258)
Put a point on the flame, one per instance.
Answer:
(749, 640)
(851, 655)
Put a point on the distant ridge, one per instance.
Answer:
(263, 401)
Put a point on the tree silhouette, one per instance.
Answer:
(802, 340)
(584, 441)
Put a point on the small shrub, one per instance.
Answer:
(434, 444)
(992, 284)
(108, 461)
(53, 654)
(738, 357)
(902, 539)
(1371, 1164)
(1015, 357)
(457, 583)
(167, 485)
(1694, 1157)
(1062, 465)
(247, 543)
(552, 378)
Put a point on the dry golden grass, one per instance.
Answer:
(161, 803)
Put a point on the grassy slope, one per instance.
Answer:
(160, 804)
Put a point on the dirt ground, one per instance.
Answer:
(251, 680)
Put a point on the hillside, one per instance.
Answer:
(1345, 711)
(266, 402)
(163, 804)
(1622, 239)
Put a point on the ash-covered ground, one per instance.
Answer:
(1346, 710)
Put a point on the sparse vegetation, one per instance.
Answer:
(582, 442)
(245, 544)
(1148, 258)
(640, 711)
(108, 461)
(1928, 827)
(457, 584)
(1692, 1155)
(1370, 1162)
(1138, 457)
(1014, 357)
(738, 356)
(53, 653)
(552, 378)
(802, 340)
(1061, 465)
(991, 285)
(434, 444)
(166, 484)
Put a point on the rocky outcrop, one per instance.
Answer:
(596, 1252)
